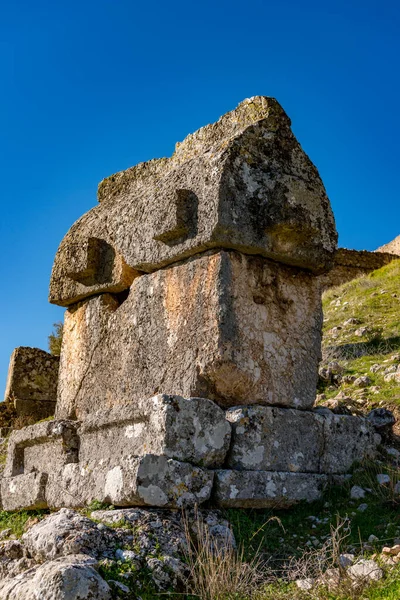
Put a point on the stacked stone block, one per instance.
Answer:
(32, 382)
(192, 334)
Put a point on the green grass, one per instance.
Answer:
(374, 300)
(386, 589)
(363, 299)
(17, 520)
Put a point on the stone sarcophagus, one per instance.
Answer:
(192, 333)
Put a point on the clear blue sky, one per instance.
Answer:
(92, 87)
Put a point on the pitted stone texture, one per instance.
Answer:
(66, 532)
(242, 183)
(40, 447)
(66, 578)
(32, 382)
(190, 430)
(135, 481)
(24, 491)
(266, 489)
(348, 439)
(89, 266)
(275, 439)
(233, 328)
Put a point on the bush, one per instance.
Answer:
(55, 339)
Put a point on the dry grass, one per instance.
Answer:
(217, 570)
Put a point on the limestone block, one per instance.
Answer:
(225, 326)
(41, 447)
(136, 481)
(242, 183)
(90, 266)
(190, 430)
(263, 489)
(32, 376)
(26, 491)
(348, 439)
(275, 439)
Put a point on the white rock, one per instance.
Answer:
(362, 382)
(66, 578)
(365, 569)
(383, 479)
(362, 507)
(125, 555)
(346, 560)
(305, 584)
(357, 492)
(393, 452)
(62, 533)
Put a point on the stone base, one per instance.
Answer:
(136, 481)
(266, 438)
(266, 489)
(173, 452)
(26, 491)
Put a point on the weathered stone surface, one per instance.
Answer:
(348, 439)
(349, 264)
(32, 382)
(365, 569)
(275, 439)
(242, 183)
(66, 578)
(382, 420)
(65, 532)
(24, 491)
(264, 489)
(140, 536)
(40, 447)
(190, 430)
(233, 328)
(135, 481)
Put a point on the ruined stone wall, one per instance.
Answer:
(32, 383)
(349, 264)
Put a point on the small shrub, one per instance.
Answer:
(55, 339)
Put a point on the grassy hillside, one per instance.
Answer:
(362, 335)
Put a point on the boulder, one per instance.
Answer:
(365, 569)
(382, 420)
(66, 578)
(63, 533)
